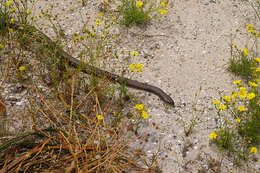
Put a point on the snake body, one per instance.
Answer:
(38, 38)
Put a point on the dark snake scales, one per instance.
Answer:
(38, 38)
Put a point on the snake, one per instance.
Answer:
(37, 39)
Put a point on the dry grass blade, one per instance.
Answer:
(25, 156)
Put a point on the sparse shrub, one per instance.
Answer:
(140, 12)
(239, 112)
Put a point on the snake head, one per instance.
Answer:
(169, 100)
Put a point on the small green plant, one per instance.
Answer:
(239, 116)
(239, 112)
(133, 13)
(139, 12)
(242, 62)
(189, 127)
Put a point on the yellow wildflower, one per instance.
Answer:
(39, 15)
(216, 102)
(28, 11)
(139, 4)
(161, 11)
(93, 34)
(100, 117)
(257, 69)
(98, 21)
(22, 68)
(245, 51)
(163, 4)
(252, 84)
(12, 20)
(234, 95)
(238, 82)
(81, 37)
(100, 15)
(250, 96)
(134, 53)
(10, 30)
(242, 92)
(222, 107)
(249, 27)
(144, 115)
(132, 67)
(114, 18)
(139, 67)
(227, 98)
(12, 10)
(238, 120)
(139, 107)
(213, 135)
(253, 150)
(8, 3)
(241, 108)
(257, 59)
(2, 45)
(102, 36)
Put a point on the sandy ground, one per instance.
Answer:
(187, 49)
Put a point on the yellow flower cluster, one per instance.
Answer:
(250, 96)
(251, 29)
(163, 4)
(252, 84)
(238, 82)
(12, 10)
(140, 108)
(242, 93)
(162, 11)
(134, 53)
(222, 106)
(137, 67)
(98, 22)
(234, 95)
